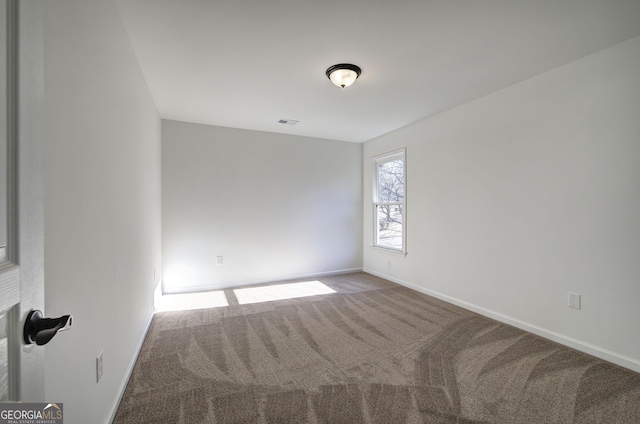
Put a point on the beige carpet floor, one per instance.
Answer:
(373, 352)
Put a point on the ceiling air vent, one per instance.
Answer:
(291, 122)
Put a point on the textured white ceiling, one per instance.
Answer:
(248, 63)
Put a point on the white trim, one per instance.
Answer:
(395, 252)
(211, 287)
(125, 381)
(381, 159)
(598, 352)
(389, 156)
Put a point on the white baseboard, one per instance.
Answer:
(212, 287)
(587, 348)
(125, 380)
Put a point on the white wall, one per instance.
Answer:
(527, 194)
(274, 206)
(102, 204)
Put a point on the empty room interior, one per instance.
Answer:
(201, 147)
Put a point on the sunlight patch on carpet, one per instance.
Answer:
(281, 291)
(190, 301)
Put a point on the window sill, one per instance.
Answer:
(390, 251)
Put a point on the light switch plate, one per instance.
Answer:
(574, 301)
(99, 367)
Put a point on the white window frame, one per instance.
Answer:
(377, 161)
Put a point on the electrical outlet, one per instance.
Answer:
(574, 300)
(389, 264)
(99, 367)
(218, 260)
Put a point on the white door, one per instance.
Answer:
(21, 199)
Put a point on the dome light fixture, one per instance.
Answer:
(343, 74)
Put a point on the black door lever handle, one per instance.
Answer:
(41, 330)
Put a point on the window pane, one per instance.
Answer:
(391, 181)
(389, 226)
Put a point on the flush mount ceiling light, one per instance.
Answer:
(343, 74)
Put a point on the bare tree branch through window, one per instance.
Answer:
(390, 201)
